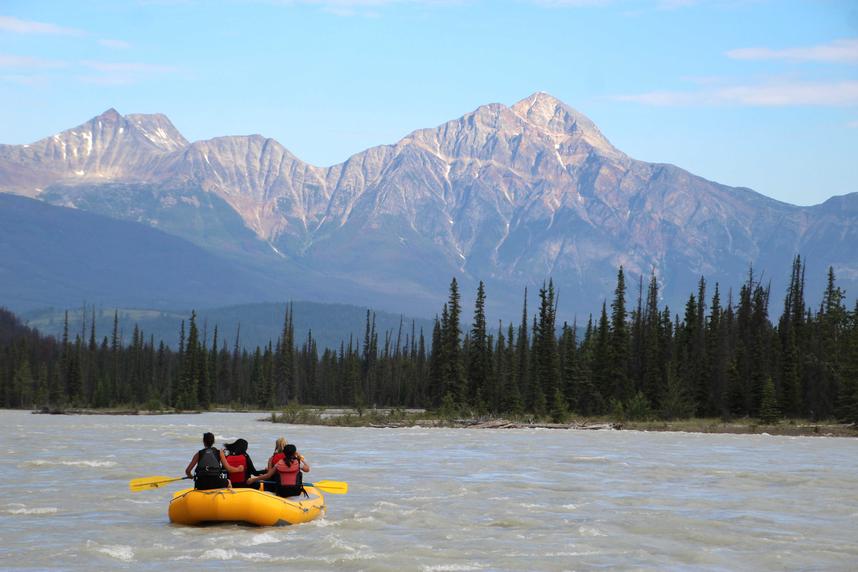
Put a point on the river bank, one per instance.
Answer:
(398, 418)
(107, 411)
(393, 418)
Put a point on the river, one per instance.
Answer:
(435, 499)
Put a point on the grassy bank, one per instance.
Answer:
(793, 427)
(399, 417)
(381, 418)
(107, 411)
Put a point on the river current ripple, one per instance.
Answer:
(435, 499)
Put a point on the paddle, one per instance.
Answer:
(333, 487)
(146, 483)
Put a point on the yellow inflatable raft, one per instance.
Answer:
(250, 506)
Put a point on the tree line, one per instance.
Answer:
(722, 356)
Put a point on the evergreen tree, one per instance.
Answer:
(186, 392)
(478, 354)
(512, 402)
(848, 401)
(454, 376)
(651, 359)
(436, 365)
(522, 356)
(602, 357)
(547, 367)
(619, 381)
(769, 411)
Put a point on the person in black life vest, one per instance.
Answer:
(236, 455)
(211, 467)
(289, 469)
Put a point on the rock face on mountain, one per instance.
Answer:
(105, 148)
(508, 195)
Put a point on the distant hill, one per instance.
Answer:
(330, 323)
(57, 256)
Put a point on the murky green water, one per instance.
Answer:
(436, 499)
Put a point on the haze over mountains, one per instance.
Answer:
(510, 195)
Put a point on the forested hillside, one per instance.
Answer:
(720, 355)
(251, 324)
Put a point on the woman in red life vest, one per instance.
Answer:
(211, 465)
(279, 445)
(236, 455)
(289, 469)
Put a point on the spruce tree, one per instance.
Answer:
(769, 410)
(478, 362)
(651, 358)
(547, 367)
(601, 367)
(454, 378)
(186, 393)
(512, 402)
(436, 388)
(848, 399)
(619, 382)
(522, 356)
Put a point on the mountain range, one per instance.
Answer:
(510, 195)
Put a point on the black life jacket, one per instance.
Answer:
(208, 463)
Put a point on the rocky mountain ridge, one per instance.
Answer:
(510, 195)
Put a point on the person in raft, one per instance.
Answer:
(279, 445)
(289, 469)
(236, 455)
(211, 465)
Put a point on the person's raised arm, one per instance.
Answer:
(192, 464)
(229, 468)
(304, 465)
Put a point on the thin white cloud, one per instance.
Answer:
(362, 4)
(28, 62)
(571, 3)
(114, 44)
(127, 67)
(18, 26)
(780, 94)
(27, 80)
(657, 4)
(842, 51)
(675, 4)
(121, 73)
(852, 124)
(366, 8)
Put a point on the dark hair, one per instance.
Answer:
(289, 453)
(208, 439)
(239, 447)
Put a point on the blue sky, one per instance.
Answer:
(753, 93)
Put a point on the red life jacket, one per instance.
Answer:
(237, 461)
(276, 457)
(288, 475)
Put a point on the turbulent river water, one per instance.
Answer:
(435, 499)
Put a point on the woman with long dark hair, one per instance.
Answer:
(236, 455)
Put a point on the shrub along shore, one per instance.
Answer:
(401, 418)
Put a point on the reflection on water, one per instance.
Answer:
(436, 499)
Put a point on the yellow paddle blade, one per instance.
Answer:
(146, 483)
(333, 487)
